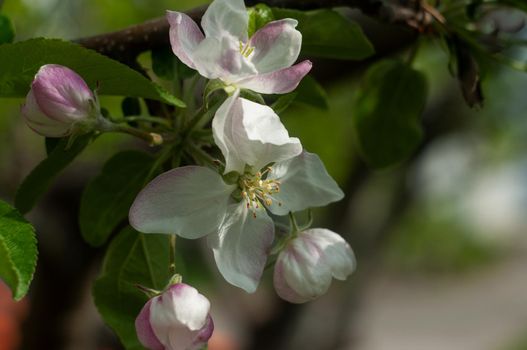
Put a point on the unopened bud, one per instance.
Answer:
(59, 99)
(304, 269)
(178, 319)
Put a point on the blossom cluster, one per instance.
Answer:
(265, 174)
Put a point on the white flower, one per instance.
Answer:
(249, 133)
(304, 269)
(195, 201)
(178, 319)
(262, 63)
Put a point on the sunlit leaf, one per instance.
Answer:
(18, 250)
(21, 60)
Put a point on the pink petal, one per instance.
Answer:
(62, 94)
(185, 36)
(278, 82)
(144, 330)
(276, 45)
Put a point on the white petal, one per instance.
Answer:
(336, 251)
(226, 17)
(278, 82)
(276, 45)
(189, 201)
(220, 58)
(251, 133)
(185, 36)
(304, 183)
(304, 269)
(242, 245)
(282, 288)
(41, 123)
(191, 308)
(178, 315)
(227, 130)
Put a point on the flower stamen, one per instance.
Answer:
(257, 191)
(245, 49)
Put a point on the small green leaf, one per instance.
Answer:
(259, 16)
(18, 250)
(37, 182)
(252, 96)
(327, 33)
(107, 199)
(7, 31)
(113, 78)
(132, 258)
(387, 112)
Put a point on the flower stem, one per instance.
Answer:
(172, 254)
(149, 119)
(152, 138)
(104, 125)
(294, 225)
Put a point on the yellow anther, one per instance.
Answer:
(257, 191)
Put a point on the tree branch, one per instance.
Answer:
(126, 44)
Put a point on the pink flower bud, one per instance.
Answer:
(59, 98)
(304, 269)
(178, 319)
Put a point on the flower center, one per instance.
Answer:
(246, 50)
(257, 191)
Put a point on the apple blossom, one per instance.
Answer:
(304, 269)
(59, 101)
(178, 319)
(195, 201)
(262, 63)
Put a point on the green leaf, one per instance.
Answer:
(131, 107)
(283, 102)
(311, 93)
(7, 31)
(163, 62)
(107, 199)
(51, 143)
(259, 16)
(252, 96)
(327, 33)
(37, 182)
(387, 112)
(132, 258)
(21, 60)
(18, 250)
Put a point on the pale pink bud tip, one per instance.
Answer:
(58, 98)
(179, 319)
(304, 269)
